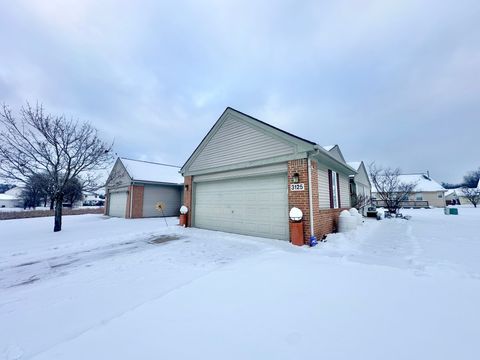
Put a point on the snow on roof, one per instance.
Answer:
(328, 147)
(8, 197)
(424, 183)
(140, 170)
(354, 164)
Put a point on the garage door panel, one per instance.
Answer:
(117, 204)
(255, 206)
(169, 196)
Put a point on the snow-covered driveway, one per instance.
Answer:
(139, 289)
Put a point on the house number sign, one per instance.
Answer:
(297, 187)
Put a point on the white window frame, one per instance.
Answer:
(335, 189)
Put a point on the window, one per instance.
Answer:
(440, 195)
(334, 190)
(418, 197)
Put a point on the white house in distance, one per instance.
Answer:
(139, 189)
(11, 198)
(427, 192)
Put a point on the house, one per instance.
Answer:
(9, 201)
(457, 197)
(137, 189)
(360, 185)
(427, 192)
(94, 198)
(246, 175)
(12, 198)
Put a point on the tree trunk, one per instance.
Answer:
(52, 201)
(58, 212)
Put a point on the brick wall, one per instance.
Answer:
(326, 221)
(137, 205)
(300, 199)
(187, 197)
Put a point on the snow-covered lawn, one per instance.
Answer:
(138, 289)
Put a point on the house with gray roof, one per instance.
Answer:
(137, 188)
(246, 175)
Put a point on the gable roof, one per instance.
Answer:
(303, 143)
(148, 171)
(422, 181)
(336, 152)
(354, 164)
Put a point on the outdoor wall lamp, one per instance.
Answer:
(295, 178)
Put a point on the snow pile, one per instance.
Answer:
(123, 289)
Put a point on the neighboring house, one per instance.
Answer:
(457, 197)
(10, 201)
(139, 189)
(360, 185)
(15, 192)
(427, 192)
(96, 198)
(12, 198)
(246, 175)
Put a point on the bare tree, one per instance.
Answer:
(37, 142)
(389, 186)
(359, 201)
(472, 195)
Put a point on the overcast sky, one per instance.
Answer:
(396, 82)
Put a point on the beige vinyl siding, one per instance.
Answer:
(431, 197)
(323, 191)
(344, 190)
(236, 142)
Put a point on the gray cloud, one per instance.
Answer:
(395, 82)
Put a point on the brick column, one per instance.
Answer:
(187, 197)
(300, 199)
(135, 191)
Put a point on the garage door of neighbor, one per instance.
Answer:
(168, 196)
(117, 204)
(256, 206)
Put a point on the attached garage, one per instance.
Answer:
(139, 189)
(255, 206)
(246, 175)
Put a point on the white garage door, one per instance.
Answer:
(255, 206)
(117, 204)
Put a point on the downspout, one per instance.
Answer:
(316, 150)
(310, 197)
(131, 202)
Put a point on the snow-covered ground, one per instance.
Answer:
(121, 289)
